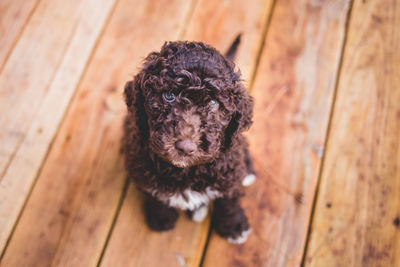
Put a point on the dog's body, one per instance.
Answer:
(183, 142)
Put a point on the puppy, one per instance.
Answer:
(183, 142)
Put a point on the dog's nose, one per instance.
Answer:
(186, 146)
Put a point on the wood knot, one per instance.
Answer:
(396, 222)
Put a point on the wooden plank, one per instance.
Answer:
(357, 215)
(14, 14)
(131, 242)
(71, 209)
(293, 94)
(36, 86)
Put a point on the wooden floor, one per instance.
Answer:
(326, 136)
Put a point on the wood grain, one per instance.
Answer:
(293, 94)
(14, 15)
(357, 215)
(224, 20)
(131, 242)
(36, 86)
(72, 206)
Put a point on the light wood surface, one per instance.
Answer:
(36, 86)
(321, 72)
(14, 15)
(357, 216)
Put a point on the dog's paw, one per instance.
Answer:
(241, 238)
(200, 214)
(160, 217)
(249, 179)
(234, 227)
(161, 223)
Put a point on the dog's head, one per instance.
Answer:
(189, 103)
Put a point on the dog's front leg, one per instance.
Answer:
(230, 219)
(159, 216)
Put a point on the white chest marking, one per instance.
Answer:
(191, 200)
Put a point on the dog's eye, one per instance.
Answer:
(169, 97)
(213, 104)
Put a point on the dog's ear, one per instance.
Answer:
(135, 102)
(241, 119)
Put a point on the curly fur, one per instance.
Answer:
(195, 73)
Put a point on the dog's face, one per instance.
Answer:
(189, 103)
(187, 125)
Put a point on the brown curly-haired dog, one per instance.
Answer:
(187, 109)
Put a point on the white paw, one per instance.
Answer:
(200, 213)
(249, 179)
(241, 238)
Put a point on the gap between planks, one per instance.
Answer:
(264, 35)
(46, 90)
(114, 220)
(18, 35)
(337, 80)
